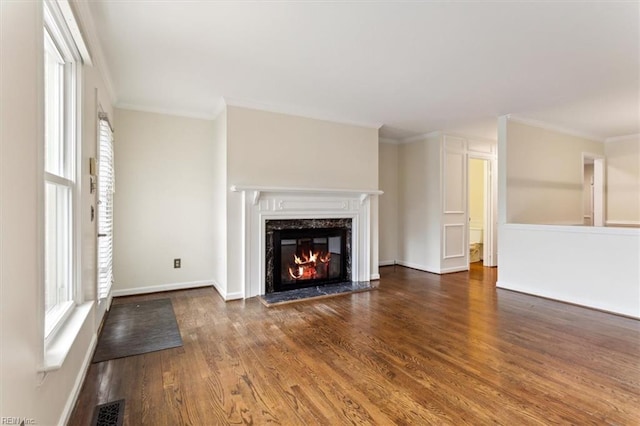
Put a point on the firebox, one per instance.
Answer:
(307, 252)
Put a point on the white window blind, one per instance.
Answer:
(106, 186)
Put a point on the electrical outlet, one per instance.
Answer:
(176, 263)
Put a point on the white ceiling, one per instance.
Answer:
(412, 67)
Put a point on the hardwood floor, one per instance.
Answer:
(422, 349)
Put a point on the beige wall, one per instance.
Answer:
(388, 202)
(24, 392)
(419, 212)
(219, 213)
(163, 204)
(271, 149)
(412, 201)
(544, 175)
(623, 181)
(267, 148)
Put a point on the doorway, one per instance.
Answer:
(593, 189)
(481, 209)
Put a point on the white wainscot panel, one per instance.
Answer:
(454, 173)
(453, 241)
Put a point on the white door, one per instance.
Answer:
(455, 226)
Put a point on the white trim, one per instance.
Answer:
(386, 263)
(77, 385)
(469, 137)
(623, 138)
(554, 128)
(218, 288)
(421, 137)
(58, 348)
(74, 30)
(464, 247)
(279, 189)
(454, 269)
(227, 296)
(165, 111)
(297, 111)
(86, 20)
(375, 277)
(535, 292)
(623, 222)
(581, 229)
(217, 110)
(161, 287)
(432, 270)
(420, 267)
(234, 296)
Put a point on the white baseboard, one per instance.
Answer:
(375, 277)
(234, 296)
(456, 269)
(161, 287)
(433, 270)
(625, 223)
(551, 296)
(218, 288)
(227, 296)
(386, 263)
(418, 266)
(77, 386)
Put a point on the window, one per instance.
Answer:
(60, 163)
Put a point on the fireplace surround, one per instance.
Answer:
(261, 204)
(306, 252)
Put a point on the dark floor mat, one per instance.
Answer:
(138, 328)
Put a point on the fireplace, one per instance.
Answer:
(265, 209)
(307, 252)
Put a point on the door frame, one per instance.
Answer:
(490, 225)
(598, 160)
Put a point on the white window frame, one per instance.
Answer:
(56, 27)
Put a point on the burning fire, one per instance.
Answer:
(306, 268)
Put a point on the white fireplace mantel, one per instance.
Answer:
(262, 203)
(259, 190)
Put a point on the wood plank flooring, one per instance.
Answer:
(422, 349)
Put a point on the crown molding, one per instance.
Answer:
(389, 141)
(554, 128)
(220, 106)
(296, 111)
(164, 111)
(421, 137)
(623, 138)
(468, 137)
(95, 48)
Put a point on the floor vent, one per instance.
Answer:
(109, 414)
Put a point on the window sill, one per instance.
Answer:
(56, 351)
